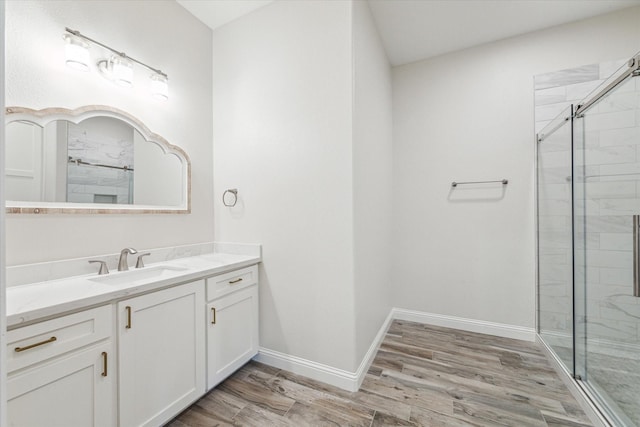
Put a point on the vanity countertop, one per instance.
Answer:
(38, 301)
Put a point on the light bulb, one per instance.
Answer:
(122, 70)
(76, 53)
(159, 86)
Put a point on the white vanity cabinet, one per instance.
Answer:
(61, 372)
(138, 348)
(232, 324)
(161, 354)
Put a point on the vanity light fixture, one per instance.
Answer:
(159, 86)
(118, 68)
(122, 70)
(76, 52)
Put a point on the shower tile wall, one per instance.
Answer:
(557, 90)
(612, 191)
(611, 140)
(555, 240)
(91, 184)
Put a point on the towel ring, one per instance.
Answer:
(234, 192)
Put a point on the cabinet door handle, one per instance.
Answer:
(28, 347)
(213, 315)
(128, 325)
(104, 363)
(233, 282)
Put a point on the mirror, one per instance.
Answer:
(95, 159)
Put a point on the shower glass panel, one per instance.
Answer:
(607, 196)
(555, 246)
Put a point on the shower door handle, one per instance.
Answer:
(636, 254)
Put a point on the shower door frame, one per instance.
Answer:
(599, 406)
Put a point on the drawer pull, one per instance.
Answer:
(233, 282)
(213, 315)
(19, 349)
(128, 325)
(104, 363)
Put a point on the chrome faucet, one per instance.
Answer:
(122, 264)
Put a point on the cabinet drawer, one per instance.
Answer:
(35, 343)
(223, 284)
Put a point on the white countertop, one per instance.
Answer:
(37, 301)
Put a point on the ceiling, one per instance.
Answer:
(412, 30)
(216, 13)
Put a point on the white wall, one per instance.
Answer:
(160, 33)
(282, 100)
(3, 251)
(372, 178)
(468, 115)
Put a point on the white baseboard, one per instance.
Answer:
(351, 381)
(317, 371)
(345, 380)
(470, 325)
(367, 360)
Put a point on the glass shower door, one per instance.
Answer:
(606, 197)
(555, 269)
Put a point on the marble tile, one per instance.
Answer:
(555, 191)
(567, 77)
(554, 223)
(555, 207)
(555, 239)
(552, 95)
(581, 206)
(610, 155)
(608, 68)
(612, 330)
(550, 111)
(601, 292)
(539, 125)
(619, 101)
(554, 160)
(555, 175)
(616, 276)
(555, 322)
(607, 121)
(610, 259)
(555, 274)
(616, 241)
(579, 91)
(620, 206)
(556, 304)
(609, 224)
(556, 289)
(620, 311)
(556, 259)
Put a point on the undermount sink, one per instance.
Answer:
(124, 277)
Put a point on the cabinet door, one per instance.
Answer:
(161, 354)
(67, 392)
(232, 337)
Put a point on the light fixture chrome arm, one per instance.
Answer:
(122, 54)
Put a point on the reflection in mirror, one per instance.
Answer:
(91, 161)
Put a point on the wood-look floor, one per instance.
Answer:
(421, 376)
